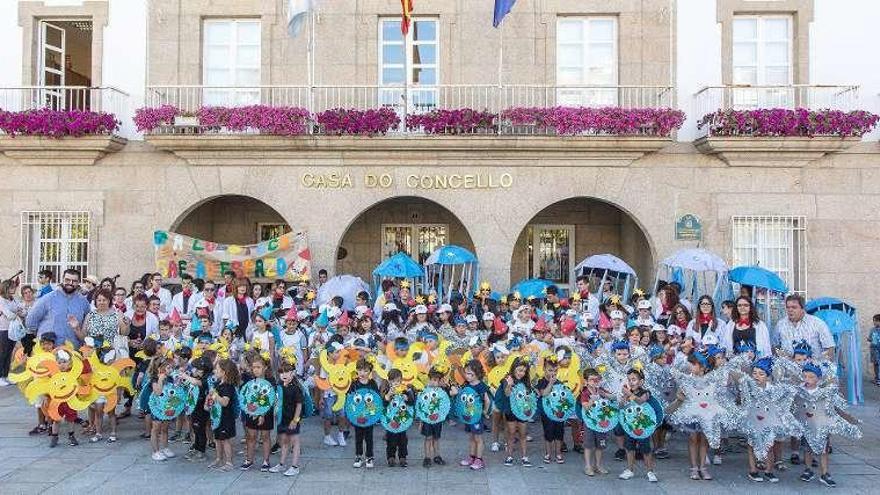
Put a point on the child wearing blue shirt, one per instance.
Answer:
(874, 340)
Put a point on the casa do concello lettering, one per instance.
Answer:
(335, 180)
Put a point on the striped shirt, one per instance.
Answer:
(810, 329)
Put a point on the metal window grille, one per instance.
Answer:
(416, 240)
(777, 243)
(56, 241)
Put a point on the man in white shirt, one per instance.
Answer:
(589, 302)
(798, 326)
(186, 300)
(162, 293)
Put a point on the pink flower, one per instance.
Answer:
(57, 123)
(780, 122)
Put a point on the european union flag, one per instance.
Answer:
(502, 8)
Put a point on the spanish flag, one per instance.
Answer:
(407, 16)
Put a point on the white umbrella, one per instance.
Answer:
(345, 286)
(696, 259)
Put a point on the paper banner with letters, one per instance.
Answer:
(286, 257)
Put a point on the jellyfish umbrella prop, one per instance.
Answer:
(345, 286)
(768, 292)
(448, 269)
(609, 267)
(400, 266)
(698, 271)
(843, 321)
(532, 287)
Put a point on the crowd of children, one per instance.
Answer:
(612, 373)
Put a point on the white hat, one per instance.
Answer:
(263, 301)
(709, 339)
(658, 328)
(488, 316)
(202, 303)
(333, 312)
(336, 346)
(674, 330)
(471, 318)
(446, 308)
(644, 304)
(570, 312)
(617, 314)
(420, 309)
(302, 315)
(389, 307)
(474, 341)
(360, 311)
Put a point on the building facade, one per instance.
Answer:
(529, 202)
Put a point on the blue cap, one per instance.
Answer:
(701, 358)
(459, 320)
(620, 345)
(803, 348)
(745, 346)
(812, 368)
(655, 351)
(714, 350)
(765, 364)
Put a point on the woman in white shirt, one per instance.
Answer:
(746, 327)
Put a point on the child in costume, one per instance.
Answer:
(554, 431)
(182, 356)
(328, 398)
(158, 372)
(473, 377)
(516, 426)
(141, 382)
(291, 417)
(594, 442)
(261, 425)
(64, 358)
(436, 378)
(396, 443)
(363, 435)
(199, 419)
(224, 394)
(698, 445)
(634, 391)
(47, 345)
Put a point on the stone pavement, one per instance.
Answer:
(28, 466)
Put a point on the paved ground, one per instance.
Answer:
(28, 466)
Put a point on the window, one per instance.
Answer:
(776, 243)
(409, 64)
(266, 231)
(762, 57)
(550, 252)
(586, 55)
(54, 240)
(231, 61)
(423, 238)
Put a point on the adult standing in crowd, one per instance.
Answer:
(10, 312)
(162, 293)
(60, 311)
(746, 328)
(45, 278)
(798, 326)
(104, 323)
(28, 299)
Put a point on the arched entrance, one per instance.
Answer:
(414, 225)
(566, 232)
(232, 219)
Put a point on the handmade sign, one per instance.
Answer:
(602, 416)
(363, 407)
(216, 413)
(168, 404)
(523, 402)
(257, 397)
(559, 403)
(398, 415)
(638, 420)
(469, 406)
(432, 405)
(286, 257)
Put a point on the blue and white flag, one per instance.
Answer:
(502, 8)
(297, 15)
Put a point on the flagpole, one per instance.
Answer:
(500, 71)
(311, 54)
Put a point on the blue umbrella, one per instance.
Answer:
(451, 255)
(838, 321)
(756, 276)
(532, 287)
(399, 266)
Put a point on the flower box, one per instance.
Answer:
(63, 151)
(604, 121)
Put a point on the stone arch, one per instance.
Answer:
(230, 219)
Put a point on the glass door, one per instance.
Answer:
(52, 51)
(552, 247)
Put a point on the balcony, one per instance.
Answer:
(778, 125)
(61, 125)
(610, 122)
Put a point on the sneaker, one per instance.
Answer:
(53, 441)
(564, 447)
(4, 382)
(369, 463)
(652, 477)
(358, 463)
(589, 471)
(808, 475)
(578, 448)
(212, 445)
(529, 438)
(662, 454)
(277, 468)
(716, 460)
(626, 474)
(175, 437)
(526, 462)
(292, 471)
(508, 461)
(96, 439)
(168, 453)
(495, 447)
(189, 454)
(795, 459)
(198, 457)
(426, 462)
(340, 439)
(275, 448)
(439, 461)
(329, 440)
(227, 467)
(769, 476)
(780, 466)
(826, 480)
(402, 463)
(756, 477)
(158, 456)
(467, 461)
(71, 440)
(620, 455)
(477, 464)
(602, 470)
(247, 465)
(264, 468)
